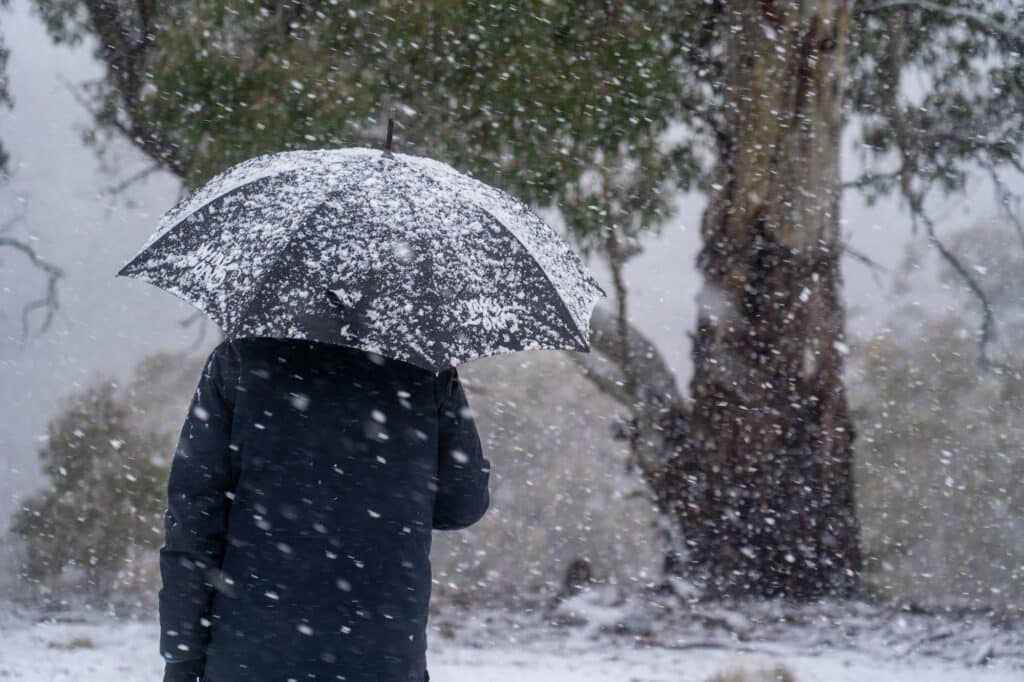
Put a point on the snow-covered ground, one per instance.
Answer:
(574, 642)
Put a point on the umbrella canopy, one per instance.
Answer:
(394, 254)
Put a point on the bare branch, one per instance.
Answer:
(9, 224)
(870, 178)
(49, 301)
(132, 179)
(988, 321)
(980, 20)
(76, 92)
(915, 199)
(197, 319)
(861, 257)
(1006, 200)
(653, 378)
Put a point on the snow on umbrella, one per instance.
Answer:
(394, 254)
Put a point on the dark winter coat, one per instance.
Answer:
(301, 500)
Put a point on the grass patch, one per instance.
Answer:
(776, 673)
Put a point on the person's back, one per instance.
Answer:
(301, 501)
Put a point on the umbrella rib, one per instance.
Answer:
(567, 314)
(269, 173)
(169, 230)
(563, 306)
(275, 265)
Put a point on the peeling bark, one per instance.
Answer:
(763, 478)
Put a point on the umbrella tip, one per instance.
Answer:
(390, 135)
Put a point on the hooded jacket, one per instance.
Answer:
(300, 504)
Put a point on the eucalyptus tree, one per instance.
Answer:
(763, 472)
(602, 110)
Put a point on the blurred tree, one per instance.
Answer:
(572, 105)
(557, 495)
(938, 90)
(93, 530)
(549, 465)
(97, 525)
(942, 444)
(762, 475)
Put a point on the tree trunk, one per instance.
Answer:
(764, 473)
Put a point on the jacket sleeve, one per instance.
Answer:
(462, 470)
(199, 493)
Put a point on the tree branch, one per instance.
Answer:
(870, 179)
(699, 52)
(125, 42)
(49, 300)
(9, 224)
(653, 378)
(1006, 199)
(915, 196)
(865, 259)
(1002, 149)
(197, 318)
(981, 20)
(988, 322)
(601, 372)
(616, 260)
(132, 179)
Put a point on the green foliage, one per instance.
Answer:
(66, 21)
(937, 89)
(99, 520)
(95, 527)
(92, 531)
(563, 104)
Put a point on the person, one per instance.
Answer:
(301, 499)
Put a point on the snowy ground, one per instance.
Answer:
(574, 642)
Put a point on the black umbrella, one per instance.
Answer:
(395, 254)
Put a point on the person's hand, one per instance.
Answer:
(184, 671)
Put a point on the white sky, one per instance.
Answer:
(106, 325)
